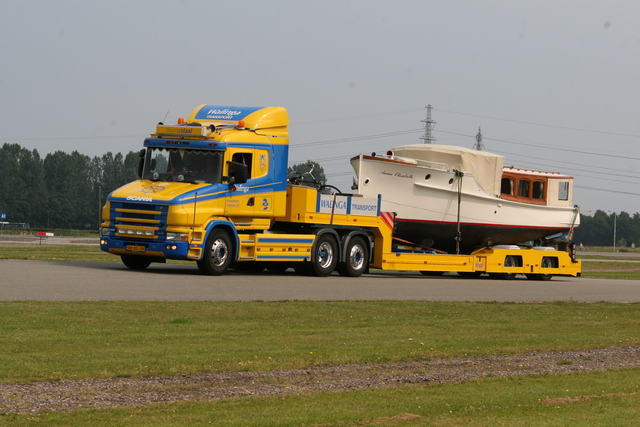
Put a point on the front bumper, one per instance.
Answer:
(164, 249)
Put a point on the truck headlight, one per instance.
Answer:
(182, 237)
(104, 231)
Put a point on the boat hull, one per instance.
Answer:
(432, 204)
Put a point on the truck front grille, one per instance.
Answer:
(138, 221)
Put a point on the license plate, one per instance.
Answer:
(136, 248)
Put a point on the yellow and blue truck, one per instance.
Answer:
(213, 189)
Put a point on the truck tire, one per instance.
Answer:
(136, 262)
(218, 253)
(357, 258)
(324, 256)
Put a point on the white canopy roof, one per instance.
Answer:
(484, 166)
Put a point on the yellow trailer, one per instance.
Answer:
(332, 237)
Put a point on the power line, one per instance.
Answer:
(546, 147)
(358, 138)
(541, 124)
(608, 190)
(367, 116)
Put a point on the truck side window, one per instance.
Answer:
(244, 158)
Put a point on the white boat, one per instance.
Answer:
(457, 199)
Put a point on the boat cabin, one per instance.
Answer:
(507, 183)
(536, 187)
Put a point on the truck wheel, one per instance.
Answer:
(324, 256)
(357, 258)
(135, 262)
(218, 253)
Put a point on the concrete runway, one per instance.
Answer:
(77, 281)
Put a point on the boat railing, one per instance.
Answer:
(413, 161)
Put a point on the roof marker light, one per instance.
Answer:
(180, 121)
(241, 124)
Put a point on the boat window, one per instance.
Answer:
(506, 186)
(523, 188)
(563, 191)
(538, 190)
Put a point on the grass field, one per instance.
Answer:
(71, 340)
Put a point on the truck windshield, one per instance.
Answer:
(183, 165)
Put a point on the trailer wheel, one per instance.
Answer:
(324, 256)
(357, 258)
(136, 262)
(546, 263)
(509, 261)
(217, 253)
(543, 277)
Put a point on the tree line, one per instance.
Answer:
(603, 229)
(66, 191)
(62, 190)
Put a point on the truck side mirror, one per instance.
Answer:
(238, 173)
(141, 162)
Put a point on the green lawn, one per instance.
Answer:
(70, 340)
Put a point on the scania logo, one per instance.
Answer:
(152, 189)
(139, 199)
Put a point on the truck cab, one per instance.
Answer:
(220, 166)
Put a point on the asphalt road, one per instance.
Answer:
(77, 281)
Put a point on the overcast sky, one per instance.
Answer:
(555, 84)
